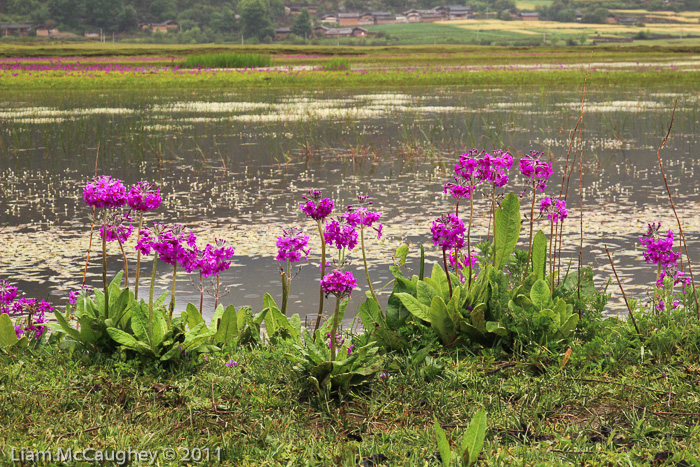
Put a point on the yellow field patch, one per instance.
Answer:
(541, 27)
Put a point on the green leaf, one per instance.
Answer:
(568, 327)
(159, 329)
(63, 322)
(415, 307)
(427, 289)
(140, 317)
(540, 294)
(473, 440)
(443, 444)
(128, 341)
(440, 277)
(401, 254)
(421, 273)
(227, 330)
(539, 254)
(8, 336)
(506, 230)
(371, 315)
(496, 328)
(193, 316)
(441, 321)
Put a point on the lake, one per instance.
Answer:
(234, 164)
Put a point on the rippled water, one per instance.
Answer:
(234, 165)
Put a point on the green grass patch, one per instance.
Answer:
(228, 60)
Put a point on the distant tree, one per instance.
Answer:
(21, 7)
(255, 20)
(128, 18)
(223, 21)
(597, 16)
(163, 10)
(67, 12)
(104, 13)
(501, 5)
(302, 25)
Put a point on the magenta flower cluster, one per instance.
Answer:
(494, 168)
(116, 230)
(678, 279)
(316, 207)
(475, 167)
(533, 167)
(105, 192)
(30, 311)
(291, 245)
(448, 232)
(659, 250)
(213, 259)
(338, 283)
(340, 233)
(554, 208)
(144, 197)
(459, 259)
(7, 293)
(173, 245)
(359, 215)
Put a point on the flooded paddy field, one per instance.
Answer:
(235, 164)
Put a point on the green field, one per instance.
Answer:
(434, 33)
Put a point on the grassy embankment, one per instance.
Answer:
(607, 405)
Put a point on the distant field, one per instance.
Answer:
(531, 4)
(564, 30)
(444, 32)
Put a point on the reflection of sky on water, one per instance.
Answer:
(234, 165)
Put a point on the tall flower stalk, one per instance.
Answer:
(538, 171)
(556, 211)
(105, 193)
(142, 197)
(318, 208)
(448, 233)
(290, 246)
(340, 284)
(360, 215)
(212, 261)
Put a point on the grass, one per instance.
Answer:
(438, 33)
(228, 60)
(607, 405)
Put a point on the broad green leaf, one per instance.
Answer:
(63, 322)
(128, 341)
(159, 329)
(477, 319)
(496, 328)
(140, 318)
(539, 254)
(193, 316)
(568, 327)
(473, 440)
(561, 310)
(443, 445)
(401, 254)
(87, 334)
(442, 322)
(506, 230)
(540, 294)
(440, 277)
(371, 315)
(8, 336)
(227, 330)
(415, 307)
(427, 289)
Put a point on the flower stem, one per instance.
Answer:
(216, 296)
(201, 293)
(172, 296)
(469, 245)
(447, 271)
(153, 283)
(364, 259)
(551, 259)
(87, 258)
(138, 259)
(334, 329)
(323, 272)
(126, 264)
(104, 263)
(286, 285)
(532, 224)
